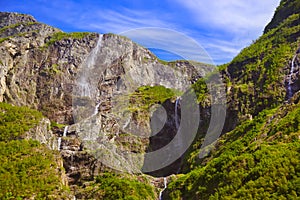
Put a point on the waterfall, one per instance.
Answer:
(65, 131)
(84, 88)
(165, 187)
(290, 77)
(86, 83)
(177, 123)
(58, 143)
(176, 112)
(126, 123)
(96, 109)
(94, 53)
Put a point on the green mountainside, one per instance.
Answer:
(27, 168)
(257, 157)
(260, 158)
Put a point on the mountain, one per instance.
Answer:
(258, 156)
(93, 92)
(82, 112)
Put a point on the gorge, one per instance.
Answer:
(97, 116)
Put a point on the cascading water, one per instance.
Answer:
(87, 84)
(176, 112)
(96, 109)
(65, 131)
(177, 124)
(91, 62)
(165, 187)
(290, 78)
(58, 143)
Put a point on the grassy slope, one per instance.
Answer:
(255, 77)
(257, 73)
(259, 159)
(118, 186)
(27, 168)
(253, 161)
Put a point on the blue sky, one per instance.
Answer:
(222, 28)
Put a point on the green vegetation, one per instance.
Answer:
(3, 39)
(62, 35)
(13, 26)
(283, 11)
(16, 25)
(118, 186)
(17, 35)
(201, 91)
(146, 96)
(54, 124)
(257, 73)
(15, 121)
(162, 61)
(52, 70)
(258, 160)
(28, 169)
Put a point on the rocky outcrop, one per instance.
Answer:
(85, 80)
(42, 133)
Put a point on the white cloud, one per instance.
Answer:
(170, 41)
(240, 22)
(231, 24)
(118, 21)
(232, 15)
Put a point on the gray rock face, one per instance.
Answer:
(8, 19)
(43, 134)
(42, 68)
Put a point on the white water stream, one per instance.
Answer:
(165, 186)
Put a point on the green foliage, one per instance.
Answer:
(121, 186)
(13, 26)
(3, 29)
(15, 121)
(54, 124)
(27, 170)
(256, 76)
(284, 10)
(201, 90)
(146, 96)
(62, 35)
(162, 61)
(3, 39)
(260, 159)
(52, 70)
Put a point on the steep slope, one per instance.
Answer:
(284, 10)
(28, 169)
(96, 90)
(259, 158)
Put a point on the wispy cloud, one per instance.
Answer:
(120, 20)
(223, 28)
(232, 15)
(171, 41)
(235, 22)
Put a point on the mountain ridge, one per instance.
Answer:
(40, 67)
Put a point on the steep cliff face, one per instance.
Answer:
(40, 63)
(259, 76)
(263, 111)
(88, 81)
